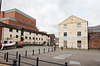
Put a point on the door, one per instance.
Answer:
(65, 43)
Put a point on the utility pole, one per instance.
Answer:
(0, 6)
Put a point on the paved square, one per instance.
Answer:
(63, 56)
(74, 62)
(73, 57)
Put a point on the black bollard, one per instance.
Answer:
(26, 53)
(39, 51)
(61, 48)
(7, 57)
(4, 56)
(37, 61)
(48, 49)
(19, 60)
(44, 50)
(33, 52)
(66, 64)
(52, 49)
(16, 55)
(15, 62)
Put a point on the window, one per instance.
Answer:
(29, 37)
(33, 38)
(79, 33)
(65, 26)
(36, 38)
(39, 38)
(10, 35)
(36, 34)
(79, 43)
(16, 30)
(48, 36)
(30, 32)
(5, 42)
(10, 41)
(25, 37)
(78, 25)
(10, 30)
(16, 36)
(65, 33)
(65, 43)
(16, 42)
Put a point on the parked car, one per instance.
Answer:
(19, 46)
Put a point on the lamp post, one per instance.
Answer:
(0, 6)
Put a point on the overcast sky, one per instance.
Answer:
(49, 13)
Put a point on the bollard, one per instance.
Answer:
(48, 49)
(26, 53)
(52, 49)
(66, 64)
(39, 51)
(7, 57)
(44, 50)
(37, 61)
(4, 56)
(16, 55)
(19, 60)
(15, 62)
(33, 52)
(61, 48)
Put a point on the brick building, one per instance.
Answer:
(94, 37)
(52, 36)
(18, 18)
(11, 24)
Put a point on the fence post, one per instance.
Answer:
(15, 62)
(16, 55)
(48, 49)
(66, 64)
(39, 51)
(4, 56)
(26, 53)
(44, 50)
(37, 61)
(7, 57)
(19, 60)
(52, 49)
(33, 52)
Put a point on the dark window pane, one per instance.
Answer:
(5, 42)
(16, 36)
(10, 30)
(65, 33)
(26, 37)
(79, 43)
(78, 33)
(10, 35)
(16, 30)
(33, 38)
(29, 37)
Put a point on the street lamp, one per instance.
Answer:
(0, 6)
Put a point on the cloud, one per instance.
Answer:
(49, 13)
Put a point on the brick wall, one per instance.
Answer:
(94, 40)
(19, 17)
